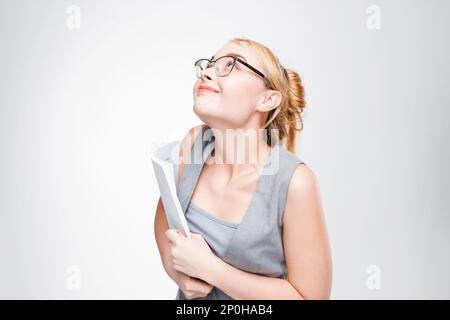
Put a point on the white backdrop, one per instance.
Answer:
(90, 88)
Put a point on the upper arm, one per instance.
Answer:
(305, 238)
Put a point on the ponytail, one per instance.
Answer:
(289, 113)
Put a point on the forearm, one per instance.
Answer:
(241, 285)
(168, 267)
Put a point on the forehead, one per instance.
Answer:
(235, 49)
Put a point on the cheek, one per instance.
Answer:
(239, 98)
(235, 103)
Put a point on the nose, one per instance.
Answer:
(208, 73)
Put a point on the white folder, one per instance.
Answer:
(165, 163)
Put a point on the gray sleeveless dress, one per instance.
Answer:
(255, 244)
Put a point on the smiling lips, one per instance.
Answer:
(206, 89)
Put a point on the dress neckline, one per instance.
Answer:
(213, 217)
(256, 191)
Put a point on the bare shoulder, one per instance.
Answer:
(303, 191)
(186, 146)
(303, 179)
(305, 237)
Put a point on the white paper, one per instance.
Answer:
(165, 164)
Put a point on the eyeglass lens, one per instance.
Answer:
(223, 66)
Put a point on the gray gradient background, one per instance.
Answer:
(81, 111)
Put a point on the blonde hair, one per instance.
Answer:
(289, 84)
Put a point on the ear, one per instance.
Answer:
(271, 100)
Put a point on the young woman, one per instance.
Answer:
(258, 229)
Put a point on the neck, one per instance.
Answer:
(239, 150)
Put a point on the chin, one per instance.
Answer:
(205, 116)
(205, 109)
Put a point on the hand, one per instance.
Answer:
(192, 287)
(191, 256)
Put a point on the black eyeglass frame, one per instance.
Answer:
(234, 63)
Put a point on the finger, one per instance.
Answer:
(196, 235)
(172, 235)
(181, 231)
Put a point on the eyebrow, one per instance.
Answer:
(232, 54)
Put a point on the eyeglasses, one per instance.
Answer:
(223, 66)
